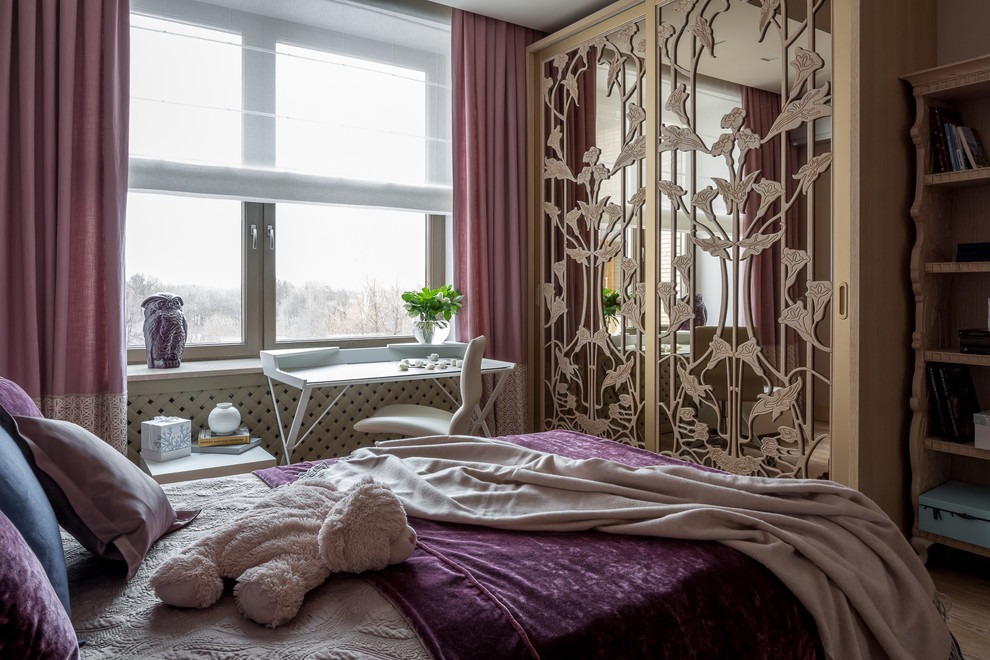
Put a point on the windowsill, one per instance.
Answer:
(195, 369)
(139, 371)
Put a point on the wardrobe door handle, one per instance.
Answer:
(254, 237)
(271, 237)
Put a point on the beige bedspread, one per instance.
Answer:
(344, 618)
(833, 547)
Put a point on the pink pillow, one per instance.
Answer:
(16, 400)
(104, 500)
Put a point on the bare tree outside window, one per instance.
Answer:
(309, 311)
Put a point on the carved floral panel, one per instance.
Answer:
(741, 388)
(593, 270)
(733, 307)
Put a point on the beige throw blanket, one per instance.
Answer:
(832, 546)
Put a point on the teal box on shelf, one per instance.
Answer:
(958, 510)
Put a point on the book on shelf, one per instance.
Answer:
(954, 398)
(973, 252)
(939, 154)
(956, 155)
(942, 122)
(974, 340)
(208, 438)
(225, 449)
(973, 146)
(962, 158)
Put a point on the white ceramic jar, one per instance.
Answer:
(225, 418)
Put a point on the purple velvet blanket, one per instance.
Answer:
(473, 592)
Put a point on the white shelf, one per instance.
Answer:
(203, 466)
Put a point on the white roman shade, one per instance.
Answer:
(290, 102)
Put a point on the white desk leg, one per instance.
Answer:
(443, 389)
(322, 415)
(293, 437)
(483, 413)
(292, 441)
(278, 418)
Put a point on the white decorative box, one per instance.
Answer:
(981, 424)
(165, 438)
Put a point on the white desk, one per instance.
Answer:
(310, 368)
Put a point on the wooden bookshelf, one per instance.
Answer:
(949, 209)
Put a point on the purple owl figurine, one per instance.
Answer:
(164, 330)
(700, 311)
(700, 314)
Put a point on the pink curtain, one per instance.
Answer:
(762, 109)
(489, 133)
(63, 186)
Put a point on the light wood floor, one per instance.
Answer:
(965, 577)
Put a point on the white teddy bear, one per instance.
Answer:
(288, 544)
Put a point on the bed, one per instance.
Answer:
(511, 582)
(467, 592)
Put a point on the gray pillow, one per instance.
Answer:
(25, 504)
(104, 500)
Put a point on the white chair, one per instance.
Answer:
(416, 420)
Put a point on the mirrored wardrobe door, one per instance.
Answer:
(744, 215)
(593, 268)
(685, 232)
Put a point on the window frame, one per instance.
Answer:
(258, 149)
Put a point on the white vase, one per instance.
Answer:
(225, 418)
(431, 332)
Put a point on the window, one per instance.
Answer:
(205, 272)
(289, 176)
(349, 299)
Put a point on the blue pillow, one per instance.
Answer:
(24, 502)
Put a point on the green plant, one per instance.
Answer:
(611, 303)
(433, 304)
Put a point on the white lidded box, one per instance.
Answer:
(981, 424)
(165, 438)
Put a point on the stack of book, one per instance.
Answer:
(973, 252)
(954, 147)
(237, 442)
(974, 341)
(954, 400)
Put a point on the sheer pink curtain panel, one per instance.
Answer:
(63, 187)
